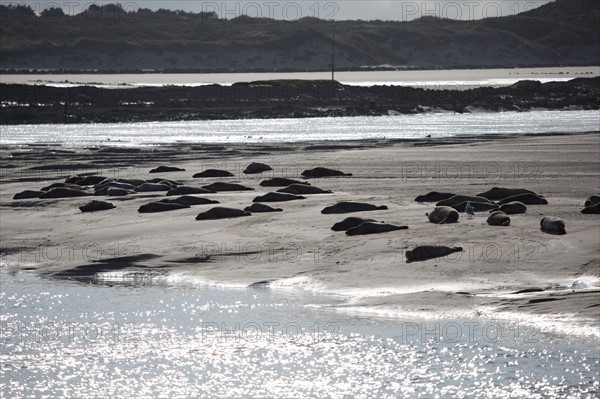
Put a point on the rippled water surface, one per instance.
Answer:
(76, 340)
(312, 129)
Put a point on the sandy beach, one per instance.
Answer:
(297, 249)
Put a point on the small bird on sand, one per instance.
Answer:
(469, 210)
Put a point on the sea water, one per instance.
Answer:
(148, 338)
(295, 130)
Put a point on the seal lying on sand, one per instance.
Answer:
(281, 182)
(160, 180)
(553, 225)
(498, 218)
(592, 200)
(152, 187)
(185, 190)
(162, 169)
(425, 252)
(28, 194)
(213, 173)
(303, 189)
(324, 172)
(277, 197)
(94, 206)
(159, 206)
(256, 167)
(261, 208)
(373, 228)
(349, 223)
(476, 206)
(222, 213)
(434, 196)
(513, 208)
(349, 207)
(498, 193)
(90, 180)
(442, 215)
(65, 185)
(527, 199)
(190, 200)
(592, 209)
(457, 199)
(221, 186)
(61, 192)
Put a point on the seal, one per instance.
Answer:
(323, 172)
(65, 185)
(443, 215)
(592, 209)
(553, 225)
(94, 206)
(373, 228)
(213, 173)
(28, 194)
(261, 208)
(476, 206)
(350, 207)
(152, 187)
(527, 199)
(118, 192)
(90, 180)
(349, 223)
(163, 169)
(103, 188)
(303, 189)
(190, 200)
(498, 193)
(498, 218)
(160, 180)
(133, 182)
(62, 192)
(426, 252)
(513, 208)
(592, 200)
(434, 196)
(457, 199)
(281, 182)
(222, 213)
(159, 206)
(185, 190)
(278, 197)
(256, 167)
(221, 186)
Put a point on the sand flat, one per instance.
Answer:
(296, 248)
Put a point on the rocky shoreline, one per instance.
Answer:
(40, 104)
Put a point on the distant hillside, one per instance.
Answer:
(564, 32)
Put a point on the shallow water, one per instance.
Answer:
(294, 130)
(147, 339)
(443, 79)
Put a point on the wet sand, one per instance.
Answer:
(296, 248)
